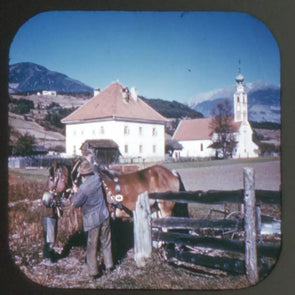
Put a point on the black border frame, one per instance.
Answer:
(278, 16)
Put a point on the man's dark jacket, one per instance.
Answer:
(90, 198)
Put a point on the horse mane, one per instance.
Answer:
(110, 173)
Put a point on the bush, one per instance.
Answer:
(24, 145)
(52, 121)
(21, 106)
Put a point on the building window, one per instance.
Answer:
(140, 148)
(74, 150)
(126, 148)
(154, 148)
(201, 147)
(101, 130)
(126, 130)
(82, 132)
(140, 130)
(154, 131)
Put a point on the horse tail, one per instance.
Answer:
(181, 185)
(180, 209)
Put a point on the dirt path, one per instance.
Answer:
(230, 177)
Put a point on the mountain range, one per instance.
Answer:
(263, 98)
(30, 77)
(264, 103)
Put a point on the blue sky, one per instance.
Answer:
(168, 55)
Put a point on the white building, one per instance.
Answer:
(120, 115)
(47, 93)
(196, 135)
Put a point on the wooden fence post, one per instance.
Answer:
(250, 226)
(142, 230)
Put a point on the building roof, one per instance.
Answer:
(115, 102)
(99, 143)
(197, 129)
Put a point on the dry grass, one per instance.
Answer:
(26, 242)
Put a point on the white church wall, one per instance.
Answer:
(195, 149)
(245, 148)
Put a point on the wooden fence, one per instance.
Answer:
(252, 247)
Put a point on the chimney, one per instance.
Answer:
(133, 93)
(96, 91)
(125, 94)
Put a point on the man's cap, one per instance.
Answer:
(85, 168)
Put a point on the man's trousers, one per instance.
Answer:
(102, 232)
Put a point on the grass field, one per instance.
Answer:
(26, 187)
(211, 163)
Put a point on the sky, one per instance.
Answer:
(167, 55)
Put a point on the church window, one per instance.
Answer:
(140, 130)
(140, 148)
(154, 131)
(238, 99)
(154, 148)
(201, 147)
(126, 148)
(101, 130)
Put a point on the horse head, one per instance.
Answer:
(59, 181)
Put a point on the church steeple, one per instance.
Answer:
(240, 99)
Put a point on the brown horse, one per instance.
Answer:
(124, 189)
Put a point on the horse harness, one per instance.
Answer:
(55, 177)
(116, 200)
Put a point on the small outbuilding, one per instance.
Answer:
(106, 150)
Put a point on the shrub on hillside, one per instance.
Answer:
(21, 106)
(24, 145)
(52, 121)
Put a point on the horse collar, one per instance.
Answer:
(118, 197)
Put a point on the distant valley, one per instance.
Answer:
(27, 79)
(264, 98)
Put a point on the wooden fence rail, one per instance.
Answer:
(251, 224)
(218, 197)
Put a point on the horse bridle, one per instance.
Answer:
(117, 199)
(57, 198)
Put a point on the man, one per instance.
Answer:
(96, 220)
(49, 220)
(50, 211)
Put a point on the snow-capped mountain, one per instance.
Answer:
(263, 101)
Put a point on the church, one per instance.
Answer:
(196, 138)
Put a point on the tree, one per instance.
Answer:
(24, 145)
(22, 106)
(222, 129)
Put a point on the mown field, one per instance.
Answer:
(25, 235)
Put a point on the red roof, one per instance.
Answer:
(196, 129)
(110, 104)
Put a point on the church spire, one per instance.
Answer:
(240, 99)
